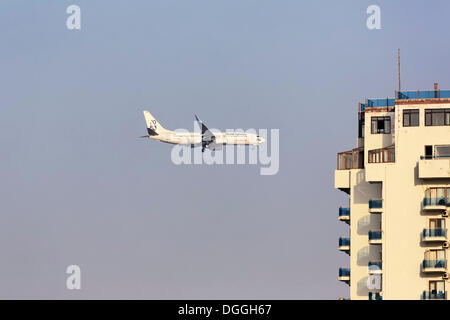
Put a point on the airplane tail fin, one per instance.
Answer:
(153, 126)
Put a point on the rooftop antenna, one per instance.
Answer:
(399, 83)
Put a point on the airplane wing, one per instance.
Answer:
(207, 136)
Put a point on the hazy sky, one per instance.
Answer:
(78, 186)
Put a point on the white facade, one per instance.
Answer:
(414, 165)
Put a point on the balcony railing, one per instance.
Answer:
(344, 272)
(375, 204)
(375, 266)
(374, 235)
(431, 157)
(431, 233)
(434, 264)
(427, 94)
(375, 296)
(352, 159)
(380, 103)
(344, 212)
(344, 242)
(382, 155)
(434, 202)
(434, 295)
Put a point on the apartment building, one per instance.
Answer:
(398, 181)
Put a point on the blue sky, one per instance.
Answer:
(79, 187)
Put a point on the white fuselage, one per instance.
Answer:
(195, 138)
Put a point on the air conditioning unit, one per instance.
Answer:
(445, 245)
(445, 276)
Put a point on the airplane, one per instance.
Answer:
(205, 138)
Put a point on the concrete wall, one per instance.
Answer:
(436, 168)
(361, 221)
(403, 219)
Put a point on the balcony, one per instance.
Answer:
(380, 103)
(344, 275)
(375, 237)
(387, 103)
(434, 235)
(375, 206)
(352, 159)
(433, 295)
(344, 244)
(375, 267)
(434, 167)
(375, 296)
(423, 94)
(434, 266)
(342, 180)
(434, 204)
(344, 214)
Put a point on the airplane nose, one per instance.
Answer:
(261, 140)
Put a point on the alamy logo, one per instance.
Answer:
(374, 20)
(243, 153)
(374, 282)
(206, 146)
(74, 20)
(74, 279)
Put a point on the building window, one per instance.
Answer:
(382, 155)
(437, 223)
(437, 197)
(353, 159)
(437, 117)
(380, 125)
(361, 117)
(411, 118)
(428, 152)
(442, 151)
(437, 256)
